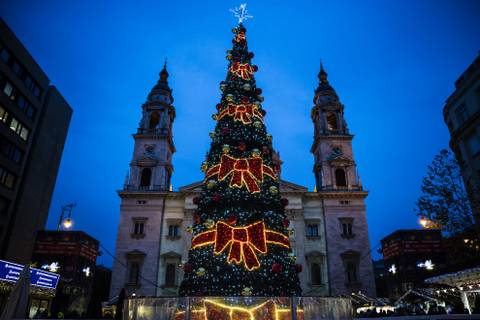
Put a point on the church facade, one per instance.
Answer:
(329, 232)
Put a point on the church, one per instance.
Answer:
(329, 231)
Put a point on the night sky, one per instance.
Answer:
(393, 64)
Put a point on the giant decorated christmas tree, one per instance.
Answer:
(240, 235)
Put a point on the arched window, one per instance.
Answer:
(146, 177)
(340, 179)
(316, 274)
(331, 121)
(351, 272)
(170, 275)
(154, 119)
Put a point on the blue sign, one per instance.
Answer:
(10, 271)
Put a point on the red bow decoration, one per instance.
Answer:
(241, 112)
(243, 70)
(243, 242)
(245, 171)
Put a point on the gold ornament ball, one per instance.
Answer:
(190, 229)
(247, 87)
(247, 291)
(291, 232)
(257, 103)
(257, 124)
(229, 97)
(212, 135)
(261, 98)
(229, 57)
(273, 190)
(269, 137)
(225, 148)
(211, 184)
(292, 256)
(256, 153)
(204, 167)
(209, 223)
(200, 272)
(214, 117)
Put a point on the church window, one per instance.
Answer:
(331, 121)
(312, 230)
(154, 120)
(146, 177)
(139, 228)
(316, 274)
(340, 178)
(134, 273)
(351, 272)
(170, 275)
(173, 231)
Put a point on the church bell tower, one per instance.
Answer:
(334, 166)
(151, 166)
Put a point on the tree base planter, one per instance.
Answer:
(238, 308)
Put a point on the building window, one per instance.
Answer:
(346, 226)
(173, 231)
(19, 129)
(5, 55)
(138, 228)
(340, 179)
(170, 275)
(10, 151)
(312, 230)
(331, 121)
(4, 203)
(8, 90)
(3, 114)
(462, 114)
(316, 274)
(351, 272)
(6, 178)
(134, 273)
(473, 143)
(146, 177)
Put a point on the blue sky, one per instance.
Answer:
(393, 64)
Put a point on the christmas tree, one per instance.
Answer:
(240, 243)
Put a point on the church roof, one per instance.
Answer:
(161, 87)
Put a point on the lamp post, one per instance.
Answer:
(66, 211)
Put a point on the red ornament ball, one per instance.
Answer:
(250, 55)
(219, 106)
(216, 197)
(196, 200)
(244, 99)
(258, 91)
(265, 150)
(255, 68)
(197, 219)
(225, 131)
(286, 222)
(242, 146)
(277, 268)
(298, 268)
(284, 202)
(188, 267)
(232, 219)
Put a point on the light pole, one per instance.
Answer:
(66, 211)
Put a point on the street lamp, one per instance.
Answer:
(429, 224)
(67, 223)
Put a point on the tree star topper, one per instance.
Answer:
(241, 13)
